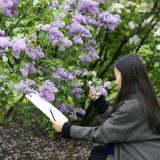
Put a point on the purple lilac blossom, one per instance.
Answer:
(57, 24)
(70, 107)
(42, 27)
(57, 39)
(78, 40)
(29, 68)
(77, 72)
(86, 58)
(92, 42)
(25, 86)
(78, 18)
(77, 29)
(109, 21)
(62, 73)
(102, 90)
(93, 21)
(55, 3)
(80, 111)
(18, 46)
(74, 84)
(35, 53)
(56, 36)
(77, 92)
(106, 84)
(65, 43)
(65, 8)
(47, 91)
(9, 7)
(4, 42)
(88, 6)
(2, 33)
(64, 109)
(73, 116)
(92, 53)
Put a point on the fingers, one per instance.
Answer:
(57, 125)
(99, 94)
(94, 96)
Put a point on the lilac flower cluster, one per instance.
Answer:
(90, 56)
(57, 24)
(18, 45)
(47, 91)
(64, 109)
(79, 18)
(78, 40)
(58, 39)
(29, 68)
(35, 53)
(80, 111)
(25, 86)
(76, 91)
(69, 109)
(61, 73)
(88, 6)
(76, 111)
(76, 29)
(80, 72)
(102, 89)
(93, 21)
(9, 7)
(109, 20)
(77, 72)
(55, 3)
(4, 42)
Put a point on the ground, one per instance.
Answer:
(21, 143)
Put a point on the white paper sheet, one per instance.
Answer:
(45, 107)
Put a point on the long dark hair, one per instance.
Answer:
(135, 81)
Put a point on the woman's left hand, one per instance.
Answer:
(57, 125)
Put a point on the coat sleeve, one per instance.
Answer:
(102, 117)
(120, 127)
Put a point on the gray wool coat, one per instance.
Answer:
(128, 129)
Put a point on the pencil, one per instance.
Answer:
(52, 114)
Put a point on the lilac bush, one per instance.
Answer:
(52, 54)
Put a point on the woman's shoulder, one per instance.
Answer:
(131, 105)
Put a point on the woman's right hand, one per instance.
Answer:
(94, 96)
(99, 102)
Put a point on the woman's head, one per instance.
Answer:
(130, 73)
(132, 79)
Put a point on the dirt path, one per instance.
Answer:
(19, 143)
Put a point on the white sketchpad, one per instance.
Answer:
(45, 107)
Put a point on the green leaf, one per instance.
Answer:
(35, 2)
(94, 73)
(25, 22)
(11, 85)
(7, 24)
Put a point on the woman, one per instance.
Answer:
(132, 125)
